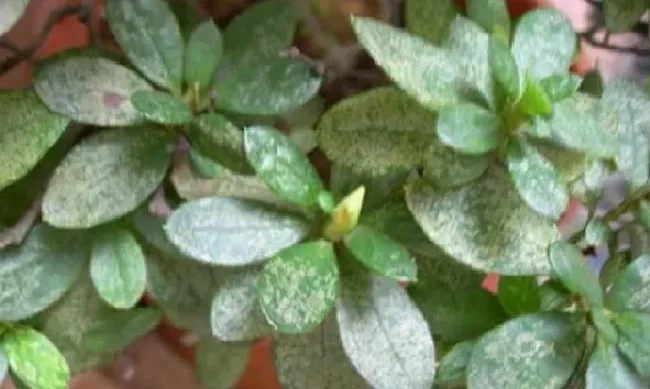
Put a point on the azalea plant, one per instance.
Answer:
(175, 175)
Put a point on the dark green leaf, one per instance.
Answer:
(384, 334)
(232, 232)
(282, 165)
(452, 367)
(560, 86)
(643, 213)
(150, 232)
(148, 33)
(10, 12)
(430, 19)
(597, 232)
(544, 43)
(519, 295)
(608, 369)
(121, 329)
(492, 15)
(344, 179)
(90, 90)
(219, 365)
(639, 239)
(536, 179)
(298, 287)
(634, 339)
(571, 267)
(534, 100)
(117, 267)
(592, 83)
(485, 224)
(37, 273)
(380, 253)
(204, 51)
(106, 176)
(188, 15)
(161, 107)
(601, 319)
(504, 69)
(35, 360)
(446, 167)
(554, 296)
(469, 128)
(622, 15)
(532, 351)
(277, 86)
(28, 130)
(631, 290)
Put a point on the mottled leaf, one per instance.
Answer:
(121, 329)
(519, 295)
(492, 15)
(634, 330)
(10, 12)
(622, 15)
(90, 90)
(631, 290)
(608, 369)
(570, 266)
(148, 33)
(232, 232)
(106, 176)
(430, 19)
(446, 167)
(597, 232)
(346, 178)
(469, 128)
(504, 69)
(219, 365)
(204, 51)
(560, 86)
(298, 287)
(161, 107)
(452, 367)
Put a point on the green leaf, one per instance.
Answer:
(492, 15)
(452, 367)
(504, 69)
(536, 179)
(634, 330)
(214, 136)
(10, 12)
(282, 165)
(601, 319)
(592, 83)
(534, 100)
(35, 360)
(27, 132)
(570, 266)
(236, 314)
(597, 232)
(643, 214)
(384, 334)
(277, 86)
(380, 253)
(315, 360)
(608, 369)
(90, 90)
(469, 128)
(117, 332)
(38, 272)
(631, 290)
(519, 295)
(189, 17)
(106, 176)
(560, 86)
(532, 351)
(161, 107)
(117, 267)
(452, 300)
(544, 43)
(219, 364)
(232, 232)
(148, 33)
(204, 51)
(346, 178)
(622, 15)
(4, 366)
(430, 19)
(446, 167)
(150, 233)
(298, 286)
(485, 224)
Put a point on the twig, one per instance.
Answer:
(589, 37)
(16, 233)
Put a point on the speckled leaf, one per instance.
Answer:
(315, 360)
(277, 86)
(532, 351)
(379, 252)
(597, 232)
(219, 365)
(519, 295)
(534, 100)
(634, 339)
(561, 86)
(569, 164)
(504, 70)
(28, 130)
(344, 179)
(384, 334)
(35, 360)
(608, 369)
(452, 367)
(282, 165)
(469, 128)
(621, 15)
(236, 314)
(118, 331)
(485, 224)
(161, 107)
(106, 176)
(148, 33)
(37, 273)
(204, 51)
(430, 19)
(214, 136)
(452, 300)
(378, 131)
(117, 267)
(446, 167)
(544, 43)
(10, 12)
(90, 90)
(298, 287)
(571, 267)
(232, 232)
(492, 15)
(631, 290)
(536, 180)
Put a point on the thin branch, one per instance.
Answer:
(590, 38)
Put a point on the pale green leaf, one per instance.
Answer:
(232, 232)
(597, 232)
(161, 107)
(570, 266)
(504, 70)
(298, 287)
(519, 295)
(150, 232)
(485, 224)
(569, 164)
(622, 15)
(117, 267)
(601, 319)
(430, 19)
(561, 86)
(492, 15)
(10, 12)
(634, 339)
(469, 128)
(452, 367)
(148, 33)
(204, 51)
(631, 290)
(90, 90)
(219, 365)
(27, 131)
(446, 167)
(4, 366)
(119, 330)
(106, 176)
(534, 100)
(643, 214)
(608, 369)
